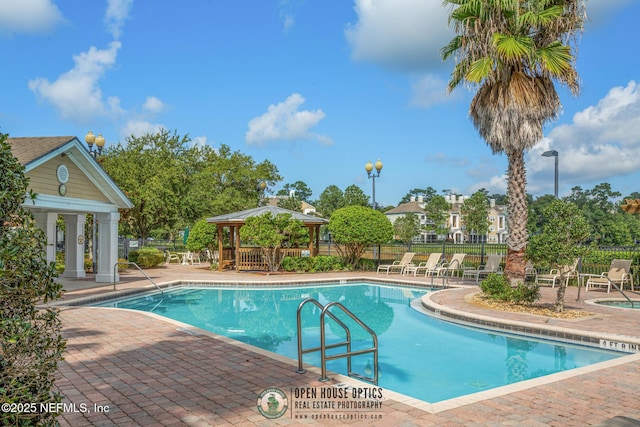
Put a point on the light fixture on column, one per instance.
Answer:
(95, 144)
(369, 168)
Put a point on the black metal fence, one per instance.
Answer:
(596, 262)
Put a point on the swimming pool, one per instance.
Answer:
(419, 356)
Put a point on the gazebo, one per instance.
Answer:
(251, 258)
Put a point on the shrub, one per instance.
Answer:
(495, 286)
(30, 341)
(59, 266)
(366, 265)
(355, 228)
(122, 267)
(133, 256)
(312, 264)
(526, 293)
(150, 257)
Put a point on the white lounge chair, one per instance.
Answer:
(452, 267)
(619, 274)
(491, 266)
(171, 256)
(556, 274)
(429, 267)
(397, 266)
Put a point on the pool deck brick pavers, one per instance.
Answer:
(152, 372)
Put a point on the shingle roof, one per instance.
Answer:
(28, 149)
(241, 216)
(405, 208)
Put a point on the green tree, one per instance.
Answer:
(559, 242)
(406, 228)
(354, 196)
(302, 191)
(513, 51)
(150, 171)
(202, 235)
(172, 184)
(293, 203)
(30, 342)
(354, 228)
(474, 215)
(437, 210)
(272, 233)
(331, 199)
(599, 207)
(536, 216)
(426, 193)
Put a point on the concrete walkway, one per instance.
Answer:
(127, 368)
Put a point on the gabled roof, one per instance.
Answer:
(405, 208)
(241, 216)
(32, 152)
(28, 149)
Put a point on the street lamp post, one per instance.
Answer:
(94, 145)
(369, 168)
(553, 153)
(261, 187)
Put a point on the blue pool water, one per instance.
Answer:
(419, 356)
(620, 304)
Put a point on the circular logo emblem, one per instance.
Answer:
(272, 403)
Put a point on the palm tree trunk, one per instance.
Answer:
(517, 217)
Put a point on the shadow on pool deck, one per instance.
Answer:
(150, 371)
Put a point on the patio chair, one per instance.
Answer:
(451, 267)
(429, 267)
(193, 258)
(491, 266)
(556, 274)
(397, 266)
(169, 256)
(618, 274)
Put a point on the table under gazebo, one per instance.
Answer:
(250, 258)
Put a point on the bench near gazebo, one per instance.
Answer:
(250, 258)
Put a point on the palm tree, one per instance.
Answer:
(513, 51)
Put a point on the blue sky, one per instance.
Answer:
(316, 87)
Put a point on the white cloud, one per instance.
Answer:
(153, 105)
(138, 128)
(600, 12)
(428, 90)
(28, 16)
(117, 13)
(199, 141)
(284, 122)
(496, 184)
(602, 142)
(405, 34)
(76, 94)
(288, 22)
(287, 13)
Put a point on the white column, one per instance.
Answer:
(107, 246)
(46, 221)
(74, 246)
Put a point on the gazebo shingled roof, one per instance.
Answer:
(241, 216)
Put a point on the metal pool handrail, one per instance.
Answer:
(115, 266)
(323, 345)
